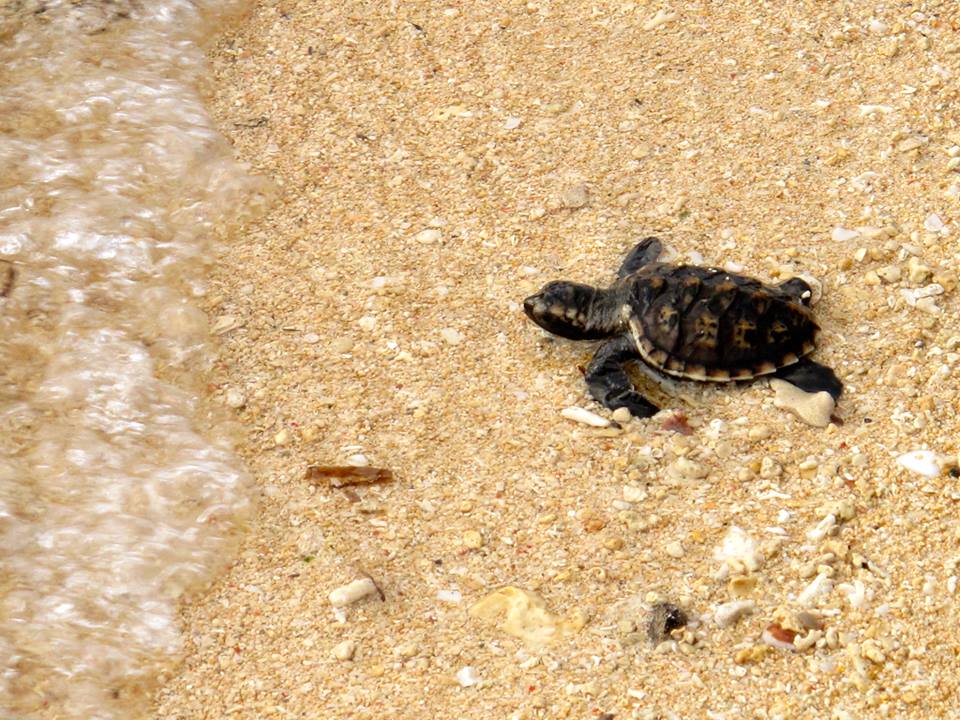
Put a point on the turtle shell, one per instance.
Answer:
(709, 324)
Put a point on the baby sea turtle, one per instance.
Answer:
(686, 321)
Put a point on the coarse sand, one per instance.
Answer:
(438, 162)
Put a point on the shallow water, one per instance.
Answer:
(115, 189)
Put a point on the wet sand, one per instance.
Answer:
(438, 163)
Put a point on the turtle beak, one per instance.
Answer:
(533, 306)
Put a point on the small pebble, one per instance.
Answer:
(367, 323)
(687, 469)
(933, 223)
(451, 336)
(345, 650)
(921, 462)
(358, 460)
(813, 408)
(472, 539)
(580, 415)
(235, 398)
(634, 494)
(729, 613)
(889, 274)
(622, 415)
(674, 549)
(311, 338)
(840, 234)
(820, 585)
(430, 235)
(343, 345)
(823, 528)
(351, 592)
(449, 596)
(576, 196)
(661, 18)
(467, 676)
(511, 123)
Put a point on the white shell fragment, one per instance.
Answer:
(841, 234)
(921, 462)
(738, 548)
(351, 592)
(933, 223)
(580, 415)
(820, 585)
(449, 596)
(812, 408)
(856, 593)
(729, 613)
(823, 528)
(467, 676)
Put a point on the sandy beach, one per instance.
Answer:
(436, 163)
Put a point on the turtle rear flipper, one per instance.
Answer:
(645, 252)
(609, 383)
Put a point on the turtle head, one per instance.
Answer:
(573, 311)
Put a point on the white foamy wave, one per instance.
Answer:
(116, 187)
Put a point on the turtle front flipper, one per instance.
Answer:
(812, 377)
(645, 252)
(608, 381)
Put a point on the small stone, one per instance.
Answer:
(428, 236)
(933, 223)
(367, 323)
(634, 494)
(661, 18)
(224, 324)
(889, 274)
(345, 651)
(840, 234)
(451, 336)
(358, 460)
(343, 345)
(812, 408)
(823, 528)
(281, 438)
(511, 123)
(820, 585)
(467, 676)
(728, 614)
(674, 549)
(236, 399)
(684, 468)
(580, 415)
(929, 306)
(622, 415)
(759, 432)
(921, 462)
(742, 586)
(472, 539)
(917, 272)
(576, 196)
(352, 592)
(311, 338)
(614, 543)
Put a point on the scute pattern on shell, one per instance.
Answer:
(709, 324)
